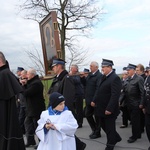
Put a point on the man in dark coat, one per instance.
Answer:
(79, 93)
(140, 70)
(91, 85)
(134, 93)
(34, 104)
(123, 100)
(22, 101)
(146, 105)
(11, 137)
(64, 85)
(107, 103)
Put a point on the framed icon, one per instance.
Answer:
(50, 40)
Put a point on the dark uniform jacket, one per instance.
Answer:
(135, 91)
(91, 85)
(64, 85)
(34, 97)
(147, 95)
(107, 97)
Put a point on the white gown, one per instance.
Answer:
(60, 139)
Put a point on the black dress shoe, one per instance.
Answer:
(131, 140)
(149, 148)
(131, 137)
(36, 146)
(139, 137)
(94, 136)
(123, 126)
(119, 139)
(91, 133)
(83, 146)
(109, 148)
(28, 145)
(80, 126)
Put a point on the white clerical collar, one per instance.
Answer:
(109, 73)
(94, 72)
(132, 76)
(57, 75)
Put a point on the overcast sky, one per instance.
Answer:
(123, 35)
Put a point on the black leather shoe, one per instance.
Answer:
(119, 139)
(131, 140)
(28, 145)
(94, 136)
(83, 146)
(91, 133)
(131, 137)
(109, 148)
(149, 148)
(123, 126)
(36, 146)
(80, 126)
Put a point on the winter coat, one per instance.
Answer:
(107, 97)
(34, 97)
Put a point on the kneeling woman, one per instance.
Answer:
(56, 126)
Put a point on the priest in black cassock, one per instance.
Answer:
(11, 137)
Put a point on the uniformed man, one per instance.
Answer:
(63, 84)
(106, 103)
(134, 92)
(146, 108)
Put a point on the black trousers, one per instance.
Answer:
(78, 107)
(142, 121)
(135, 121)
(30, 127)
(22, 116)
(147, 125)
(125, 115)
(79, 143)
(92, 119)
(108, 124)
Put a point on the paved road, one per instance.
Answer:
(99, 144)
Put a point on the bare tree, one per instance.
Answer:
(76, 57)
(72, 16)
(34, 56)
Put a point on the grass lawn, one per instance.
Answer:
(47, 84)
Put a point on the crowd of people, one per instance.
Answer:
(22, 105)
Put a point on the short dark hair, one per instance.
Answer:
(141, 67)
